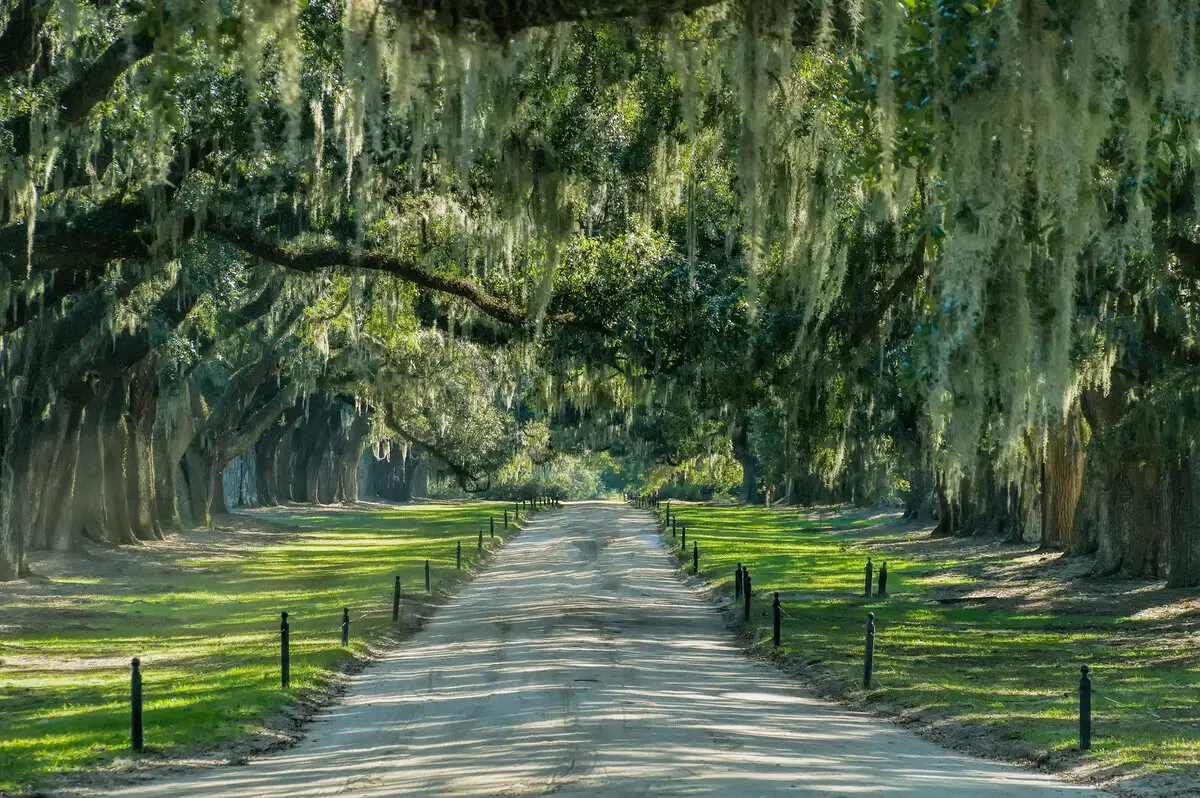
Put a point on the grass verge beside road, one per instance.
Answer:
(986, 648)
(202, 611)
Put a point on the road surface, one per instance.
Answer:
(577, 665)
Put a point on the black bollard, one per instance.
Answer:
(674, 532)
(480, 546)
(737, 583)
(1085, 709)
(778, 614)
(285, 660)
(683, 537)
(345, 626)
(869, 659)
(135, 705)
(492, 526)
(396, 600)
(883, 580)
(746, 591)
(427, 584)
(696, 557)
(458, 555)
(867, 583)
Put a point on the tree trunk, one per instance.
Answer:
(139, 477)
(741, 450)
(1183, 563)
(1062, 482)
(58, 517)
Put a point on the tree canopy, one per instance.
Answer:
(843, 248)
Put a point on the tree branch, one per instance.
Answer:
(18, 42)
(506, 19)
(83, 94)
(329, 257)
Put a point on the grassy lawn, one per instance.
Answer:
(206, 630)
(1010, 666)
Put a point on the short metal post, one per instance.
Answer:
(1085, 709)
(285, 659)
(883, 580)
(491, 526)
(506, 519)
(775, 637)
(458, 555)
(135, 705)
(480, 546)
(427, 584)
(737, 583)
(869, 659)
(683, 538)
(345, 626)
(696, 557)
(746, 591)
(867, 582)
(396, 600)
(674, 531)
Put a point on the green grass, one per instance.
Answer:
(1008, 668)
(206, 630)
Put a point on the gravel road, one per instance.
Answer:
(577, 665)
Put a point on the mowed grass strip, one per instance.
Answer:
(1014, 672)
(206, 631)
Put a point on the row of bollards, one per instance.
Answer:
(742, 587)
(649, 502)
(742, 584)
(137, 740)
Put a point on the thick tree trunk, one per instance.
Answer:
(741, 450)
(283, 464)
(1062, 482)
(198, 490)
(349, 454)
(58, 513)
(143, 405)
(418, 476)
(114, 441)
(1183, 563)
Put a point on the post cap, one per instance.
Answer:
(870, 616)
(137, 662)
(284, 614)
(1084, 669)
(345, 610)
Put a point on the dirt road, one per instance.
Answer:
(578, 665)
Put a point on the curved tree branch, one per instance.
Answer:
(329, 257)
(78, 99)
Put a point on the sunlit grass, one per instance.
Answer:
(206, 632)
(1015, 672)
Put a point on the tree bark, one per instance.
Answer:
(1062, 482)
(1183, 563)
